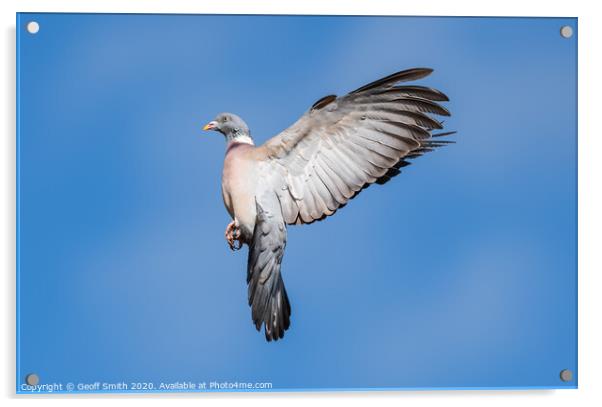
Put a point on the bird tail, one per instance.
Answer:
(267, 295)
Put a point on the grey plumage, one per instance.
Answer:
(333, 152)
(267, 295)
(338, 148)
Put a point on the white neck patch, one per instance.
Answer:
(244, 140)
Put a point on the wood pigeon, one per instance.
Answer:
(335, 150)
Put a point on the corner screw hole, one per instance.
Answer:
(566, 375)
(566, 31)
(33, 27)
(32, 379)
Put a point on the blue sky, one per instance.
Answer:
(459, 273)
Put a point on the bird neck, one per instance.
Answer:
(239, 138)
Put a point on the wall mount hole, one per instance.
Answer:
(33, 27)
(566, 375)
(32, 379)
(566, 31)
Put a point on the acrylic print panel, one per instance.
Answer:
(460, 272)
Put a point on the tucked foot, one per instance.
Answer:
(233, 235)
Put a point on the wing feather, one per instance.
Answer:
(344, 144)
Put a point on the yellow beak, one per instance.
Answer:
(210, 126)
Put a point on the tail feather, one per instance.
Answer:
(268, 299)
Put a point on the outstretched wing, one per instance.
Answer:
(267, 295)
(344, 144)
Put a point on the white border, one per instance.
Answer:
(590, 202)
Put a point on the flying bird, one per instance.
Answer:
(339, 147)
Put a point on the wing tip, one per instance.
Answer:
(405, 75)
(447, 133)
(323, 102)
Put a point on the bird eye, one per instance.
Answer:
(224, 119)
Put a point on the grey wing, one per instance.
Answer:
(344, 144)
(267, 295)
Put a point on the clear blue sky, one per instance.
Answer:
(460, 272)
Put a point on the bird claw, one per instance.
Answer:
(233, 235)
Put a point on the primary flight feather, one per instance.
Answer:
(339, 147)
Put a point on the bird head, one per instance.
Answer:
(231, 126)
